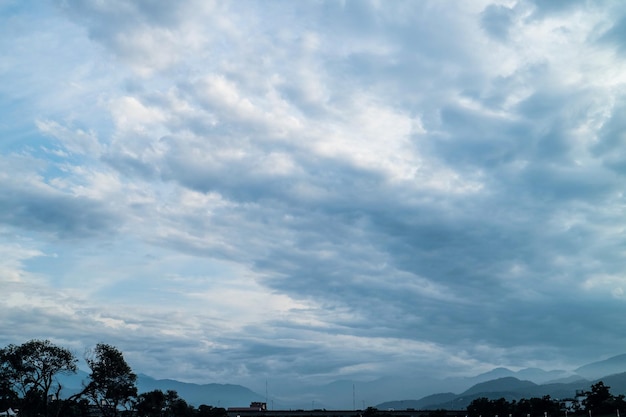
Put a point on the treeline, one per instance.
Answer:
(28, 382)
(596, 402)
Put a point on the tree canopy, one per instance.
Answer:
(112, 382)
(599, 400)
(29, 370)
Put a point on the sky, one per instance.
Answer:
(310, 191)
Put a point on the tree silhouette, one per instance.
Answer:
(112, 383)
(30, 370)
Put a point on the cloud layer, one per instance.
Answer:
(236, 191)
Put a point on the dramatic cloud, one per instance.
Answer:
(311, 191)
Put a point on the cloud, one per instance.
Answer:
(32, 203)
(227, 192)
(545, 7)
(497, 19)
(613, 35)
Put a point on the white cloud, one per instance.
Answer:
(12, 269)
(77, 141)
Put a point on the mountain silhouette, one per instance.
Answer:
(217, 395)
(526, 383)
(505, 384)
(613, 365)
(509, 388)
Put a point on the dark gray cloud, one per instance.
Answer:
(546, 7)
(611, 146)
(107, 21)
(615, 35)
(497, 20)
(36, 207)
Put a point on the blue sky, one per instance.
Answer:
(315, 190)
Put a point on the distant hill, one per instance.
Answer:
(505, 384)
(616, 382)
(346, 394)
(509, 388)
(422, 404)
(495, 373)
(614, 365)
(540, 376)
(218, 395)
(72, 383)
(526, 383)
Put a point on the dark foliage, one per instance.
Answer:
(600, 401)
(28, 372)
(112, 382)
(525, 407)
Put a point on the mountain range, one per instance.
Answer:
(218, 395)
(399, 393)
(509, 385)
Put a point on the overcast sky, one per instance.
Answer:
(315, 190)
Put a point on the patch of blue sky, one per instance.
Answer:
(51, 158)
(51, 70)
(126, 270)
(18, 137)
